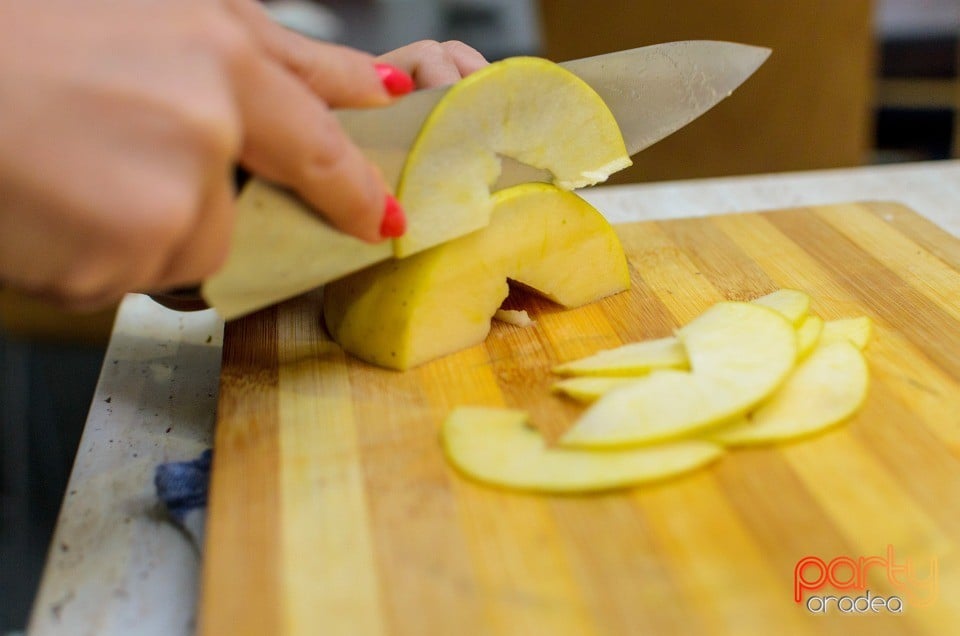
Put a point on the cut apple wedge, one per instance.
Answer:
(808, 334)
(402, 313)
(528, 109)
(855, 330)
(739, 354)
(825, 389)
(496, 446)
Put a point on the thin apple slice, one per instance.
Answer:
(589, 388)
(824, 390)
(855, 330)
(525, 108)
(791, 303)
(402, 313)
(496, 446)
(808, 335)
(635, 358)
(739, 353)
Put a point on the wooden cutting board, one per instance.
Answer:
(333, 510)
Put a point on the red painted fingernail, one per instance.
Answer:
(394, 80)
(394, 222)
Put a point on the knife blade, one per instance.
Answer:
(652, 91)
(280, 249)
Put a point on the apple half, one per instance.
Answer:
(402, 313)
(739, 354)
(496, 446)
(525, 108)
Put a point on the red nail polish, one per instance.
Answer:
(394, 222)
(394, 80)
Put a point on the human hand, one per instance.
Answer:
(121, 124)
(431, 63)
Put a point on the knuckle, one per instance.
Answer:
(432, 49)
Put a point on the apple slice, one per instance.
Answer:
(790, 303)
(635, 358)
(525, 108)
(824, 390)
(402, 313)
(808, 334)
(739, 353)
(588, 388)
(856, 330)
(497, 446)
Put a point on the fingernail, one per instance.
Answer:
(394, 80)
(394, 222)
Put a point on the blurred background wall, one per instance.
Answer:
(849, 82)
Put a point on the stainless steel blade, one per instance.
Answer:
(652, 92)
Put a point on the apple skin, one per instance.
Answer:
(401, 313)
(525, 108)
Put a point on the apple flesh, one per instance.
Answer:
(525, 108)
(402, 313)
(825, 389)
(496, 446)
(739, 353)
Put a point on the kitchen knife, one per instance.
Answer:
(280, 249)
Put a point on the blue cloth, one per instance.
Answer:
(182, 489)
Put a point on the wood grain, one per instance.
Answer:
(333, 511)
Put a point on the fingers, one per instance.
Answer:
(432, 63)
(293, 139)
(204, 248)
(343, 77)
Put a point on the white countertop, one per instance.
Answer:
(115, 567)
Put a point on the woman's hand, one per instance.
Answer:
(120, 124)
(432, 63)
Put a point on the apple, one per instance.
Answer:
(825, 389)
(793, 304)
(525, 108)
(855, 330)
(402, 313)
(739, 354)
(496, 446)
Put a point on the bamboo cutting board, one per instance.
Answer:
(333, 510)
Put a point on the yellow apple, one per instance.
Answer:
(825, 389)
(402, 313)
(790, 303)
(637, 358)
(525, 108)
(739, 354)
(856, 330)
(587, 388)
(634, 358)
(808, 334)
(497, 446)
